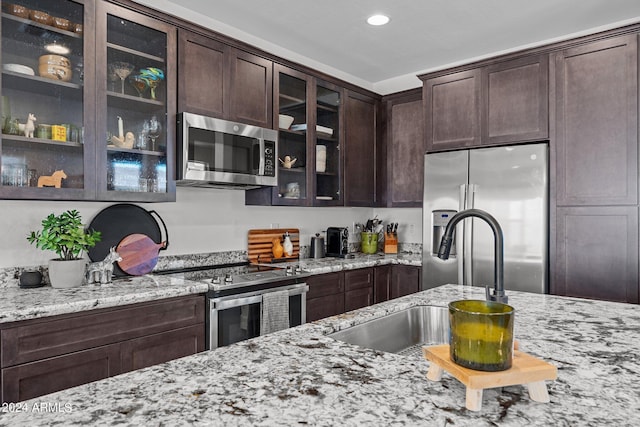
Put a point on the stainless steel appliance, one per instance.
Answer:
(337, 242)
(510, 183)
(219, 153)
(317, 249)
(234, 300)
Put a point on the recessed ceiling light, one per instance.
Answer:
(377, 20)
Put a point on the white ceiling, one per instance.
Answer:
(332, 35)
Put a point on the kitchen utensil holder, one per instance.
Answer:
(390, 243)
(526, 369)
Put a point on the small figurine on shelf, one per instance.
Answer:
(30, 126)
(55, 180)
(288, 162)
(102, 271)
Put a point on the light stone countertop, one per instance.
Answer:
(301, 376)
(23, 304)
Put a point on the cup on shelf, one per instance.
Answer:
(43, 131)
(321, 158)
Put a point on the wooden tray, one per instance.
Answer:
(260, 243)
(526, 369)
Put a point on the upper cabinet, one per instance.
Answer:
(309, 119)
(85, 103)
(516, 100)
(218, 80)
(504, 102)
(452, 108)
(597, 124)
(48, 130)
(405, 149)
(136, 80)
(360, 149)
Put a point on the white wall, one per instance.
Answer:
(201, 220)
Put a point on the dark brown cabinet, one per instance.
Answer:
(360, 148)
(452, 109)
(516, 100)
(326, 295)
(358, 288)
(405, 149)
(597, 253)
(221, 81)
(505, 102)
(44, 355)
(594, 241)
(312, 139)
(394, 281)
(596, 97)
(335, 293)
(89, 139)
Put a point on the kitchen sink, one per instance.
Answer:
(404, 332)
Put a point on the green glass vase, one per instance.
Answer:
(481, 334)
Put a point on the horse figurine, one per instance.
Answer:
(102, 271)
(30, 126)
(55, 180)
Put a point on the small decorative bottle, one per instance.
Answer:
(277, 249)
(288, 246)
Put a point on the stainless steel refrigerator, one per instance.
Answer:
(510, 183)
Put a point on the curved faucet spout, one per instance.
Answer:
(498, 268)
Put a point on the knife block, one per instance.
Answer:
(390, 243)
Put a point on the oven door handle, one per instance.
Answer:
(224, 303)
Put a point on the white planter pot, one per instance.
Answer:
(66, 274)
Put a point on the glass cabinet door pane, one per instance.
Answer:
(136, 111)
(42, 147)
(292, 139)
(327, 154)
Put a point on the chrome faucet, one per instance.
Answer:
(498, 268)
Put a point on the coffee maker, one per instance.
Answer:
(337, 242)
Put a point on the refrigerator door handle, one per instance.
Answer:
(467, 253)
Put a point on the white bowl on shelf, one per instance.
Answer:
(17, 68)
(284, 121)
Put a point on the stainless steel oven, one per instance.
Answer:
(237, 317)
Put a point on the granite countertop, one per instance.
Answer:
(23, 304)
(301, 376)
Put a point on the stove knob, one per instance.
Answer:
(288, 271)
(228, 278)
(215, 280)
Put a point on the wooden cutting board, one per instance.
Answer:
(260, 244)
(139, 254)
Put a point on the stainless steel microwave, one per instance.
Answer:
(220, 153)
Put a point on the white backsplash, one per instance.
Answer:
(200, 221)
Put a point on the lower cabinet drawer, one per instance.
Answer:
(330, 305)
(358, 298)
(159, 348)
(58, 373)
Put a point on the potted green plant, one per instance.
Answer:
(65, 235)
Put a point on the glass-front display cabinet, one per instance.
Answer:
(294, 174)
(136, 113)
(328, 161)
(46, 146)
(85, 108)
(309, 138)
